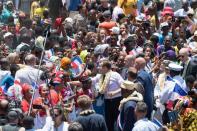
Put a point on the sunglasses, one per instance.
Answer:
(190, 15)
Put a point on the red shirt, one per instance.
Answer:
(54, 101)
(24, 105)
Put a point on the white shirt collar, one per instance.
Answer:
(141, 120)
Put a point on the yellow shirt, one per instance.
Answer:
(129, 6)
(39, 11)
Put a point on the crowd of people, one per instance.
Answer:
(115, 65)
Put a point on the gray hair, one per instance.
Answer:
(30, 59)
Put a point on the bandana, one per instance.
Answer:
(65, 61)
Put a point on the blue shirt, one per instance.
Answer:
(74, 4)
(7, 81)
(4, 16)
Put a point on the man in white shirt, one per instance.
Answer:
(143, 124)
(109, 87)
(29, 74)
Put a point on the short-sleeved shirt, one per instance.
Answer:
(145, 125)
(129, 7)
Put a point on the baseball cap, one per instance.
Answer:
(115, 30)
(164, 24)
(140, 17)
(7, 35)
(9, 2)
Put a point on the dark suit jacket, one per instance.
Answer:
(146, 80)
(127, 116)
(191, 69)
(92, 122)
(124, 73)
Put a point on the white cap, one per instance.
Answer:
(175, 67)
(193, 45)
(9, 2)
(7, 34)
(180, 13)
(68, 20)
(140, 17)
(164, 24)
(115, 30)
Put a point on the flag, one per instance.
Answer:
(15, 91)
(3, 88)
(1, 93)
(34, 85)
(177, 89)
(76, 62)
(157, 122)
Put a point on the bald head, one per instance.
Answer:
(140, 63)
(4, 105)
(129, 60)
(184, 51)
(184, 54)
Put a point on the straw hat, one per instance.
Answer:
(128, 85)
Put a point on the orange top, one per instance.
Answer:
(107, 25)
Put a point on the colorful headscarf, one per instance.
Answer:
(65, 61)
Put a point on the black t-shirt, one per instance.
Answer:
(102, 9)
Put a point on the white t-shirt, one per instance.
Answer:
(117, 10)
(3, 74)
(28, 75)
